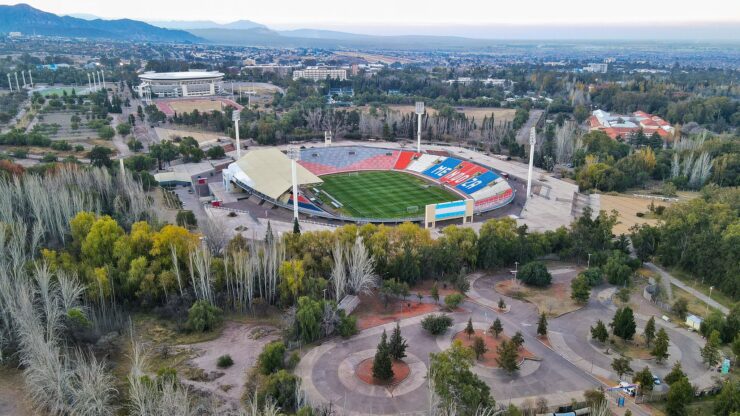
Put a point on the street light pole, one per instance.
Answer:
(588, 265)
(710, 297)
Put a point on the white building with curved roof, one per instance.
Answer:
(180, 84)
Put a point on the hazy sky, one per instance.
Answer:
(345, 13)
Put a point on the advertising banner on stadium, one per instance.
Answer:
(448, 210)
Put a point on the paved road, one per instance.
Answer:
(704, 298)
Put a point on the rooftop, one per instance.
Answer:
(180, 75)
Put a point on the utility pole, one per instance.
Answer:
(294, 153)
(532, 141)
(419, 112)
(236, 116)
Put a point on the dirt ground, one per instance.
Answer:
(554, 300)
(204, 106)
(499, 114)
(12, 399)
(627, 208)
(372, 312)
(425, 288)
(201, 138)
(489, 358)
(364, 372)
(243, 342)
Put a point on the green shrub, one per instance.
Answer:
(224, 361)
(203, 316)
(535, 274)
(186, 218)
(453, 301)
(436, 324)
(166, 375)
(271, 358)
(293, 360)
(347, 325)
(594, 276)
(280, 388)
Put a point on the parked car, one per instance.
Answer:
(656, 380)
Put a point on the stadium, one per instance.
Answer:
(180, 84)
(369, 184)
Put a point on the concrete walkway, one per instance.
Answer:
(704, 298)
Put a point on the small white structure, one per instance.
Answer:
(693, 322)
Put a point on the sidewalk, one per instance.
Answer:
(704, 298)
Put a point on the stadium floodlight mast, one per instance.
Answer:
(23, 74)
(17, 86)
(419, 112)
(103, 74)
(10, 83)
(294, 153)
(236, 116)
(89, 82)
(30, 78)
(532, 141)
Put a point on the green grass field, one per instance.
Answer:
(383, 194)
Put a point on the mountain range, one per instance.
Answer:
(28, 20)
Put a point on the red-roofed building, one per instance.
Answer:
(625, 126)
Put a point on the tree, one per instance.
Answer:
(649, 332)
(436, 324)
(710, 354)
(271, 358)
(454, 383)
(660, 349)
(580, 289)
(542, 325)
(621, 366)
(203, 316)
(496, 328)
(508, 356)
(397, 345)
(728, 400)
(296, 226)
(308, 319)
(100, 157)
(535, 274)
(435, 292)
(106, 132)
(501, 303)
(599, 332)
(124, 129)
(679, 395)
(215, 152)
(382, 364)
(469, 330)
(681, 307)
(675, 374)
(479, 347)
(518, 339)
(645, 379)
(623, 325)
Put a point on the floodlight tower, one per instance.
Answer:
(419, 113)
(23, 74)
(294, 153)
(103, 75)
(89, 82)
(17, 86)
(236, 116)
(30, 78)
(532, 141)
(10, 83)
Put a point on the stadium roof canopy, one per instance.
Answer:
(267, 171)
(180, 76)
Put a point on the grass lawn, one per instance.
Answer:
(383, 194)
(717, 295)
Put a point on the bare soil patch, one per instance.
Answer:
(12, 398)
(489, 358)
(243, 343)
(425, 288)
(553, 300)
(372, 311)
(364, 372)
(627, 208)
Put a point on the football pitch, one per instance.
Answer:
(383, 194)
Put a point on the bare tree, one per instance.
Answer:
(361, 269)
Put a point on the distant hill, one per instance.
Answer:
(311, 38)
(28, 20)
(206, 24)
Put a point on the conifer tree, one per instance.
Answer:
(542, 325)
(397, 345)
(469, 330)
(382, 365)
